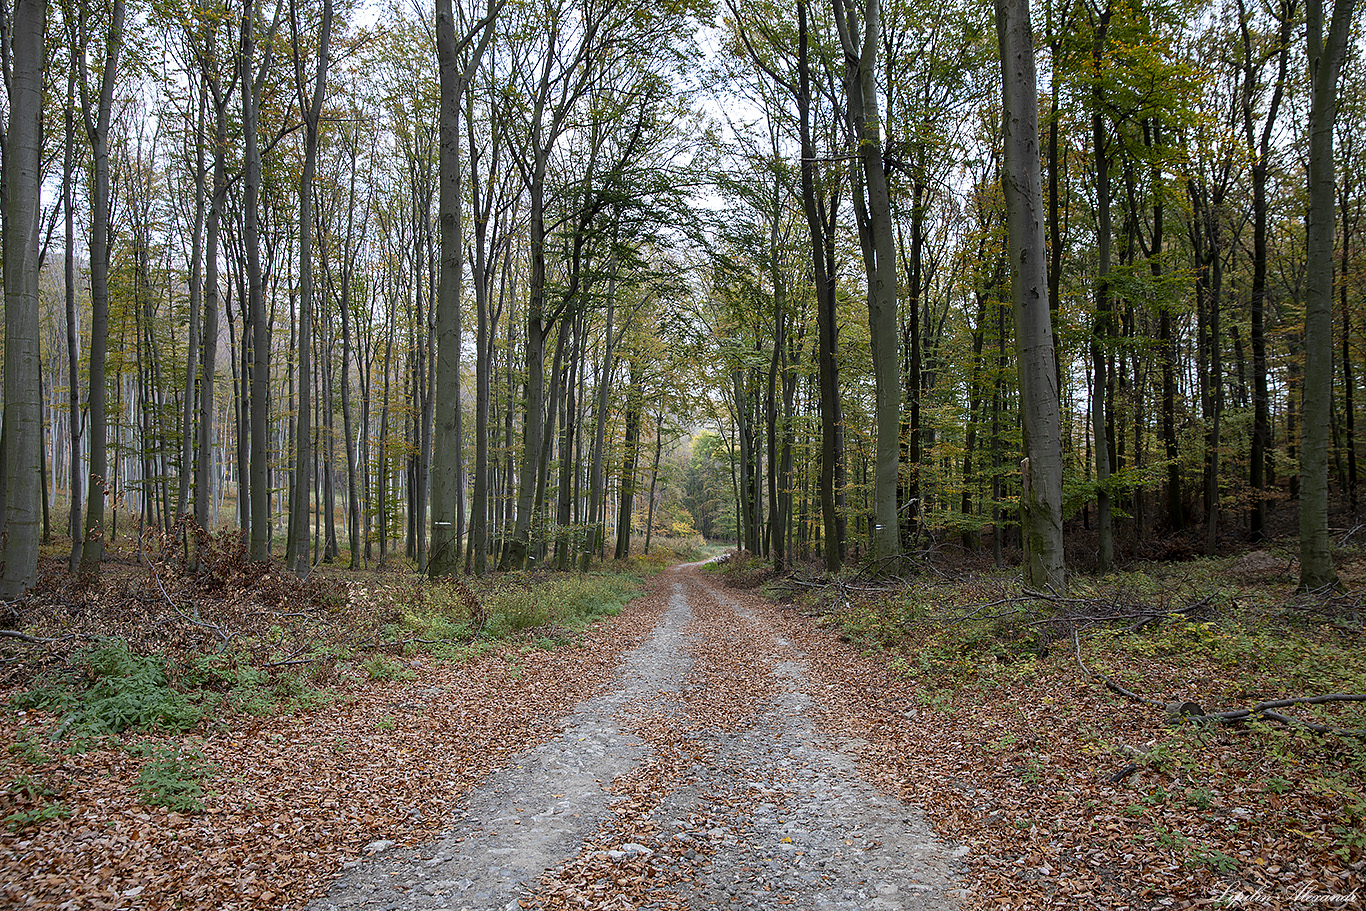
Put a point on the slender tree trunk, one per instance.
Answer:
(1260, 150)
(73, 329)
(533, 425)
(630, 455)
(187, 431)
(310, 106)
(654, 479)
(1041, 493)
(1102, 329)
(1325, 62)
(209, 358)
(97, 127)
(1348, 379)
(259, 408)
(827, 362)
(596, 498)
(21, 438)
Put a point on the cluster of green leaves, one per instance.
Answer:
(34, 793)
(251, 689)
(114, 691)
(172, 778)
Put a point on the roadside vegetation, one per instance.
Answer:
(150, 660)
(1106, 746)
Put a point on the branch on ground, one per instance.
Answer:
(1233, 716)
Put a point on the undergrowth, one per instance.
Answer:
(172, 778)
(109, 686)
(1170, 633)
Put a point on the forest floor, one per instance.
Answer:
(294, 738)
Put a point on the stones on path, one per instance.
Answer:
(700, 781)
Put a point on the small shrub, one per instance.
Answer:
(382, 667)
(32, 750)
(122, 691)
(171, 779)
(23, 819)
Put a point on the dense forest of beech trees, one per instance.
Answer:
(518, 282)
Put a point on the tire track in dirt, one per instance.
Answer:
(699, 781)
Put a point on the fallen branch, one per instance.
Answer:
(1264, 709)
(24, 637)
(1110, 684)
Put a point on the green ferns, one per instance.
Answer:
(120, 690)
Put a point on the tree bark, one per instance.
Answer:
(310, 106)
(1041, 494)
(1102, 327)
(97, 128)
(1325, 62)
(21, 437)
(827, 360)
(861, 41)
(73, 330)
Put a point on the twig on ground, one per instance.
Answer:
(1110, 684)
(24, 637)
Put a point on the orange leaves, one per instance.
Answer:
(295, 797)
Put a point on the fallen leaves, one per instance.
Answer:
(1018, 776)
(293, 797)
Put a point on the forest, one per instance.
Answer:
(698, 453)
(491, 289)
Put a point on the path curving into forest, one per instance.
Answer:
(699, 779)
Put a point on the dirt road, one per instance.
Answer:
(699, 779)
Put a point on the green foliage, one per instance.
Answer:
(35, 793)
(250, 689)
(32, 749)
(172, 779)
(382, 667)
(570, 601)
(1193, 851)
(120, 690)
(707, 493)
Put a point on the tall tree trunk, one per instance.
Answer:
(1102, 329)
(187, 433)
(97, 128)
(483, 278)
(1325, 62)
(21, 437)
(1260, 150)
(444, 558)
(832, 419)
(630, 456)
(654, 479)
(1348, 379)
(310, 106)
(253, 81)
(533, 425)
(861, 41)
(209, 357)
(596, 496)
(1041, 493)
(73, 329)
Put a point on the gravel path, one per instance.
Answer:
(699, 781)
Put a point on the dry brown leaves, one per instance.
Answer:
(293, 797)
(721, 693)
(1019, 775)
